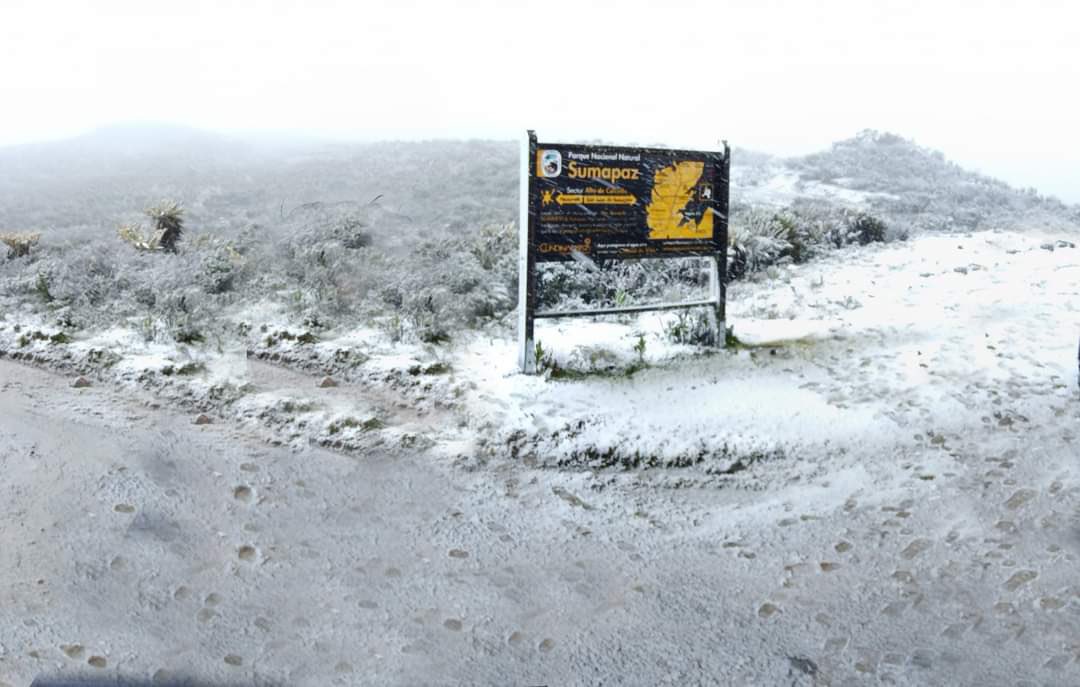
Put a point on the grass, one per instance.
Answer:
(291, 406)
(58, 338)
(369, 425)
(185, 370)
(568, 374)
(734, 343)
(307, 338)
(439, 368)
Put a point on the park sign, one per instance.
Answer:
(607, 202)
(596, 203)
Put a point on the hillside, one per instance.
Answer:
(908, 185)
(98, 179)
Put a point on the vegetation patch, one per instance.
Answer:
(294, 406)
(186, 370)
(305, 338)
(438, 368)
(168, 218)
(369, 425)
(190, 337)
(19, 244)
(564, 449)
(58, 338)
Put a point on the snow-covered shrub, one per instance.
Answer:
(451, 282)
(429, 314)
(573, 284)
(858, 227)
(137, 238)
(19, 243)
(868, 229)
(690, 327)
(89, 284)
(168, 217)
(756, 239)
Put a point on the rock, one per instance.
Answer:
(81, 383)
(203, 419)
(327, 382)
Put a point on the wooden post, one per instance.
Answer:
(526, 258)
(718, 261)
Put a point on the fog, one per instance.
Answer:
(988, 83)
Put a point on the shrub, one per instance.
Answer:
(133, 235)
(19, 243)
(690, 327)
(758, 239)
(168, 219)
(868, 229)
(572, 284)
(168, 229)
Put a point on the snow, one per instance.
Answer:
(783, 187)
(878, 481)
(846, 353)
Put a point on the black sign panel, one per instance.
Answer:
(610, 202)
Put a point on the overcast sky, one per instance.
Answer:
(992, 84)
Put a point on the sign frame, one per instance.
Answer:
(529, 209)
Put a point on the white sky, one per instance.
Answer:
(992, 84)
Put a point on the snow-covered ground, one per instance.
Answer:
(862, 350)
(879, 484)
(784, 186)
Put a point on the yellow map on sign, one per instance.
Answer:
(675, 190)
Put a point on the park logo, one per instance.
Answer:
(549, 163)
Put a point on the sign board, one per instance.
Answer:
(607, 202)
(595, 203)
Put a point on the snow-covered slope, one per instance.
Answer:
(914, 187)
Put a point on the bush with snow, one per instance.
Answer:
(19, 244)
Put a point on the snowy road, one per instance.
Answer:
(137, 545)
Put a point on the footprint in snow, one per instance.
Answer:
(916, 548)
(72, 650)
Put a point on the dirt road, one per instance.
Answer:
(135, 544)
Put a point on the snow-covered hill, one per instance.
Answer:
(908, 185)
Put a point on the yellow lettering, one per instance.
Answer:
(576, 171)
